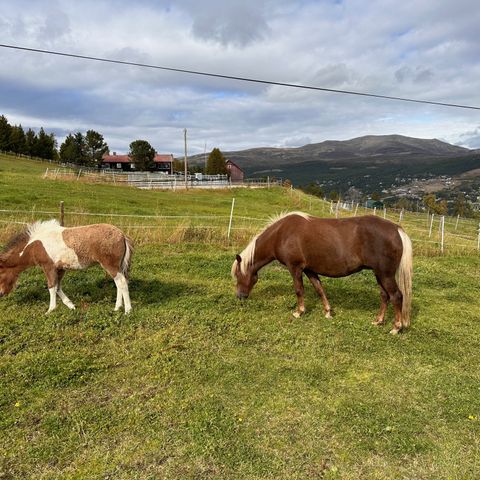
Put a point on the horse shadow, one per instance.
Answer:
(347, 294)
(142, 291)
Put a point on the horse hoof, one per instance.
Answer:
(328, 315)
(297, 314)
(394, 331)
(377, 323)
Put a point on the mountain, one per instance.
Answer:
(371, 162)
(385, 148)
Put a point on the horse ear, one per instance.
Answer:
(239, 258)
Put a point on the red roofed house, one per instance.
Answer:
(235, 173)
(163, 162)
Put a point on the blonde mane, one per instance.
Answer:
(248, 253)
(38, 228)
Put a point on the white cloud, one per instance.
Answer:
(377, 47)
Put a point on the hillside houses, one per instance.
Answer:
(163, 162)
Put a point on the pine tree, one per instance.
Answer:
(216, 163)
(73, 149)
(45, 145)
(95, 147)
(5, 132)
(17, 140)
(30, 142)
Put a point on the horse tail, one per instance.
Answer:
(404, 277)
(127, 257)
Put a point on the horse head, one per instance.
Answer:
(8, 279)
(246, 278)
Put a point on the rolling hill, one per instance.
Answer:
(371, 162)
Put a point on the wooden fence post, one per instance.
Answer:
(431, 225)
(62, 214)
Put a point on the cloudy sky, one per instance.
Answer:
(420, 49)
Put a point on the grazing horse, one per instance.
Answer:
(56, 249)
(333, 248)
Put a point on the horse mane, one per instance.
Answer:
(18, 239)
(23, 237)
(248, 253)
(40, 226)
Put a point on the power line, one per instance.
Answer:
(231, 77)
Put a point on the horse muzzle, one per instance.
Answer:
(242, 296)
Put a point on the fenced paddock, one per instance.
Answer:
(153, 180)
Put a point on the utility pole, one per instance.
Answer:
(205, 156)
(185, 158)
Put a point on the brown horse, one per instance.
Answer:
(333, 248)
(56, 249)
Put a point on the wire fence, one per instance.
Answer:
(430, 234)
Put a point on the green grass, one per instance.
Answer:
(194, 384)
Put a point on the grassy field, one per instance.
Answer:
(194, 384)
(196, 215)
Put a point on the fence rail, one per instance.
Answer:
(154, 180)
(431, 234)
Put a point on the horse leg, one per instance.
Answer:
(52, 281)
(299, 290)
(63, 297)
(395, 295)
(383, 306)
(122, 287)
(119, 302)
(317, 284)
(121, 283)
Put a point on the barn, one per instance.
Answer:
(235, 173)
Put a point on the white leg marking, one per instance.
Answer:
(53, 298)
(65, 299)
(122, 287)
(119, 302)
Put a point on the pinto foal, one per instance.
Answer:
(56, 249)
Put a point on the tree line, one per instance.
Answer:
(14, 139)
(77, 148)
(89, 148)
